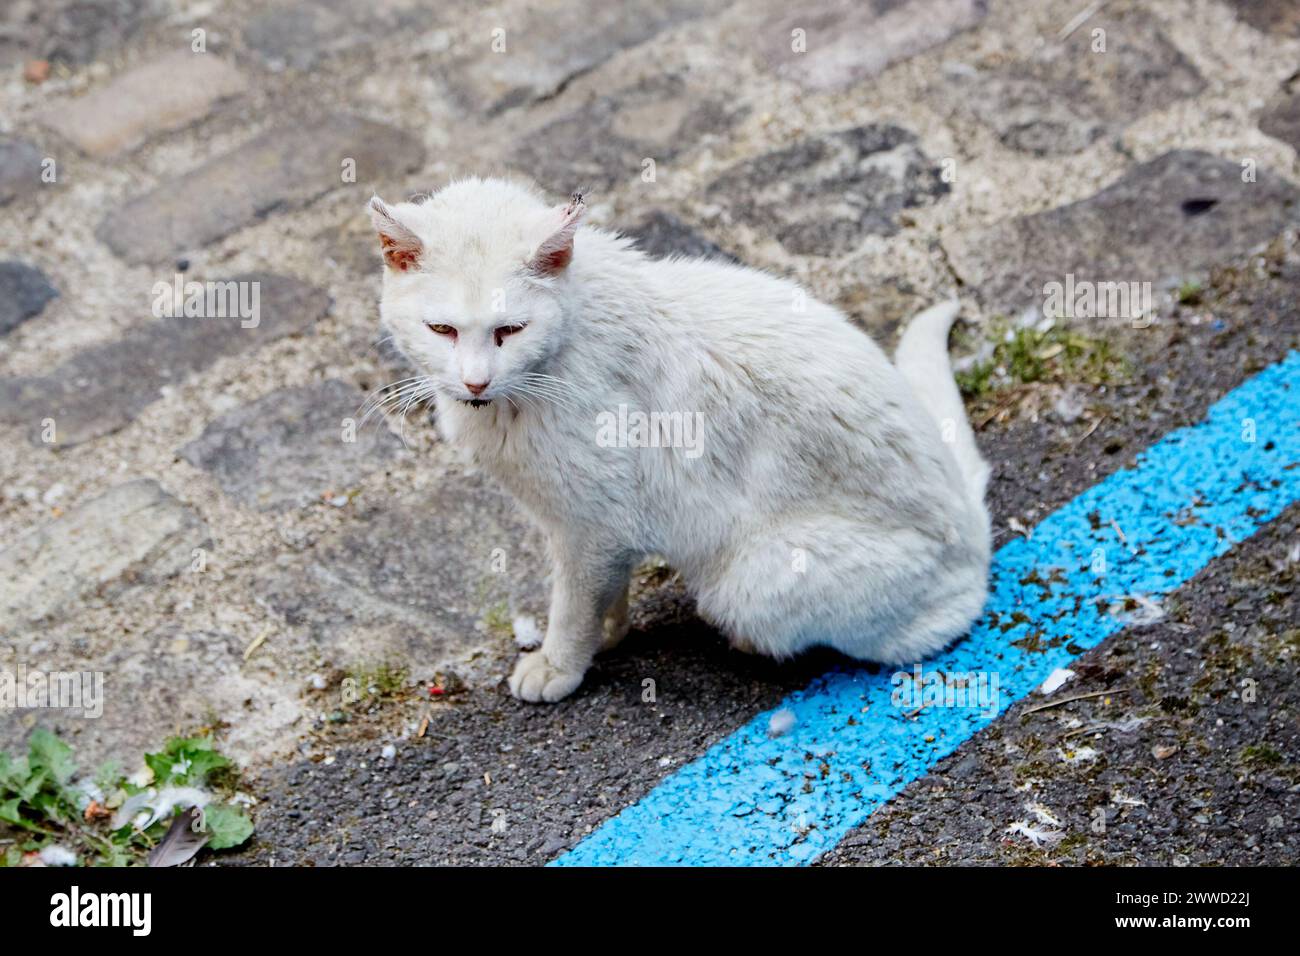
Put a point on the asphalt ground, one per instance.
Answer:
(1182, 770)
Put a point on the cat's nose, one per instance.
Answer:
(476, 388)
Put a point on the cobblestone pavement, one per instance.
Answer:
(186, 508)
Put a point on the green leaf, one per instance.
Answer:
(229, 826)
(185, 760)
(161, 765)
(48, 751)
(113, 855)
(181, 746)
(33, 784)
(203, 763)
(13, 773)
(9, 811)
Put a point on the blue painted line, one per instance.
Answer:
(752, 799)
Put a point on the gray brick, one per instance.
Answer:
(20, 168)
(287, 449)
(553, 43)
(1067, 95)
(24, 292)
(1279, 17)
(661, 234)
(847, 41)
(283, 168)
(132, 534)
(1281, 117)
(824, 194)
(1180, 212)
(104, 387)
(299, 36)
(73, 32)
(161, 95)
(422, 570)
(604, 143)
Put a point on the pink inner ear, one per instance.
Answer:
(556, 252)
(553, 260)
(400, 255)
(401, 247)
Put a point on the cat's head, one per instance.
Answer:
(473, 283)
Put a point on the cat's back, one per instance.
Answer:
(738, 309)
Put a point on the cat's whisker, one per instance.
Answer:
(417, 397)
(414, 388)
(402, 412)
(552, 378)
(558, 384)
(381, 405)
(514, 404)
(523, 397)
(380, 394)
(551, 384)
(559, 400)
(378, 344)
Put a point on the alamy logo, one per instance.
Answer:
(103, 909)
(977, 690)
(1085, 299)
(636, 429)
(52, 690)
(209, 300)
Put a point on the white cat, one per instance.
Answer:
(829, 497)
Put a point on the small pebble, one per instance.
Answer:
(36, 71)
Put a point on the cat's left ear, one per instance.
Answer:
(556, 251)
(401, 247)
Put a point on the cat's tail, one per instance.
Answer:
(922, 358)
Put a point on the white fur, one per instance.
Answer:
(823, 505)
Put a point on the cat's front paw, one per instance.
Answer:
(536, 679)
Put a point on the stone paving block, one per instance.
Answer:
(553, 43)
(162, 95)
(607, 142)
(825, 193)
(159, 681)
(1068, 94)
(1281, 117)
(661, 234)
(428, 567)
(75, 33)
(299, 36)
(353, 247)
(1280, 17)
(133, 533)
(832, 44)
(24, 292)
(290, 447)
(1178, 213)
(20, 168)
(104, 387)
(283, 168)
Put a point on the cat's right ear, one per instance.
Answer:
(556, 251)
(401, 247)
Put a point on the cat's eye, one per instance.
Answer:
(506, 330)
(441, 329)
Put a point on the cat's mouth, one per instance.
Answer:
(475, 402)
